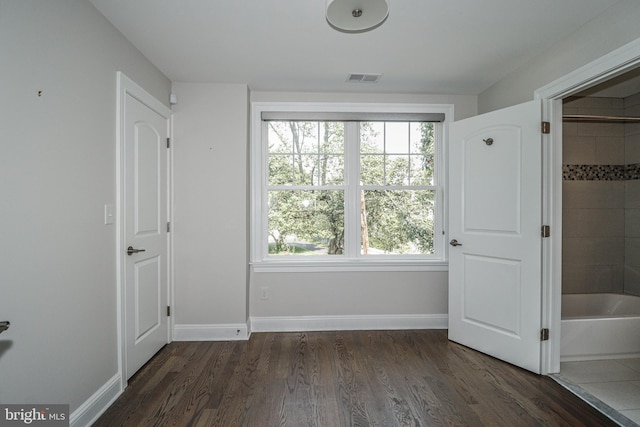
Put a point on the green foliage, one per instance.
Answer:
(398, 221)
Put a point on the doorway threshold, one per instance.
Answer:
(596, 403)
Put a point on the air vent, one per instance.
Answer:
(363, 77)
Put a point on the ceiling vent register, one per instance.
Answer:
(363, 77)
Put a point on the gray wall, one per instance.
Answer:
(57, 171)
(614, 28)
(210, 203)
(211, 234)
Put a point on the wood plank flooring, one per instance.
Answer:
(344, 378)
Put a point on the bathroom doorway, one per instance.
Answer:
(600, 340)
(603, 70)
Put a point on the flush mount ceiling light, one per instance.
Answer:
(356, 16)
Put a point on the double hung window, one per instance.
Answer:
(347, 186)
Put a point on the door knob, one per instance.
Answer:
(131, 250)
(4, 325)
(454, 242)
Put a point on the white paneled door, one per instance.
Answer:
(145, 129)
(495, 279)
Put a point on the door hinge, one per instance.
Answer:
(168, 227)
(546, 231)
(168, 142)
(168, 311)
(546, 127)
(544, 334)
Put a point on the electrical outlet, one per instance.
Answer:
(264, 292)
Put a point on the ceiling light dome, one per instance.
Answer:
(356, 16)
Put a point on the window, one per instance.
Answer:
(339, 185)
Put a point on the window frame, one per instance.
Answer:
(261, 262)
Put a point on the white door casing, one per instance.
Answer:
(616, 62)
(495, 201)
(144, 129)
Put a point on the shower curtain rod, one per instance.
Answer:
(596, 118)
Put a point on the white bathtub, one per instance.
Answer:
(600, 326)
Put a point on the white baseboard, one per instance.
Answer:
(223, 332)
(337, 323)
(93, 407)
(241, 331)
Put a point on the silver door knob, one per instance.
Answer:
(131, 250)
(454, 242)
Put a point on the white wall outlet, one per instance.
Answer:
(264, 292)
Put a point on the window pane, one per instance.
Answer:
(305, 170)
(423, 153)
(332, 138)
(422, 138)
(315, 153)
(305, 137)
(416, 136)
(372, 137)
(397, 170)
(306, 222)
(281, 169)
(396, 138)
(397, 222)
(421, 170)
(279, 138)
(372, 169)
(293, 137)
(331, 170)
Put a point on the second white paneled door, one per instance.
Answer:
(145, 129)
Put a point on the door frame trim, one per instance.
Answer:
(125, 86)
(604, 68)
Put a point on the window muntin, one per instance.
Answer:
(408, 168)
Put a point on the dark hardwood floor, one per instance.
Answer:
(345, 378)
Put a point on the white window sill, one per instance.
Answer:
(291, 266)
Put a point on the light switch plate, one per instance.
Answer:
(108, 214)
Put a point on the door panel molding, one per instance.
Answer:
(481, 158)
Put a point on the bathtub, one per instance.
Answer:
(600, 326)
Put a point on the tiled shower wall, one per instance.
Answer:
(632, 198)
(601, 199)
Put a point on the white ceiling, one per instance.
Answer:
(425, 46)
